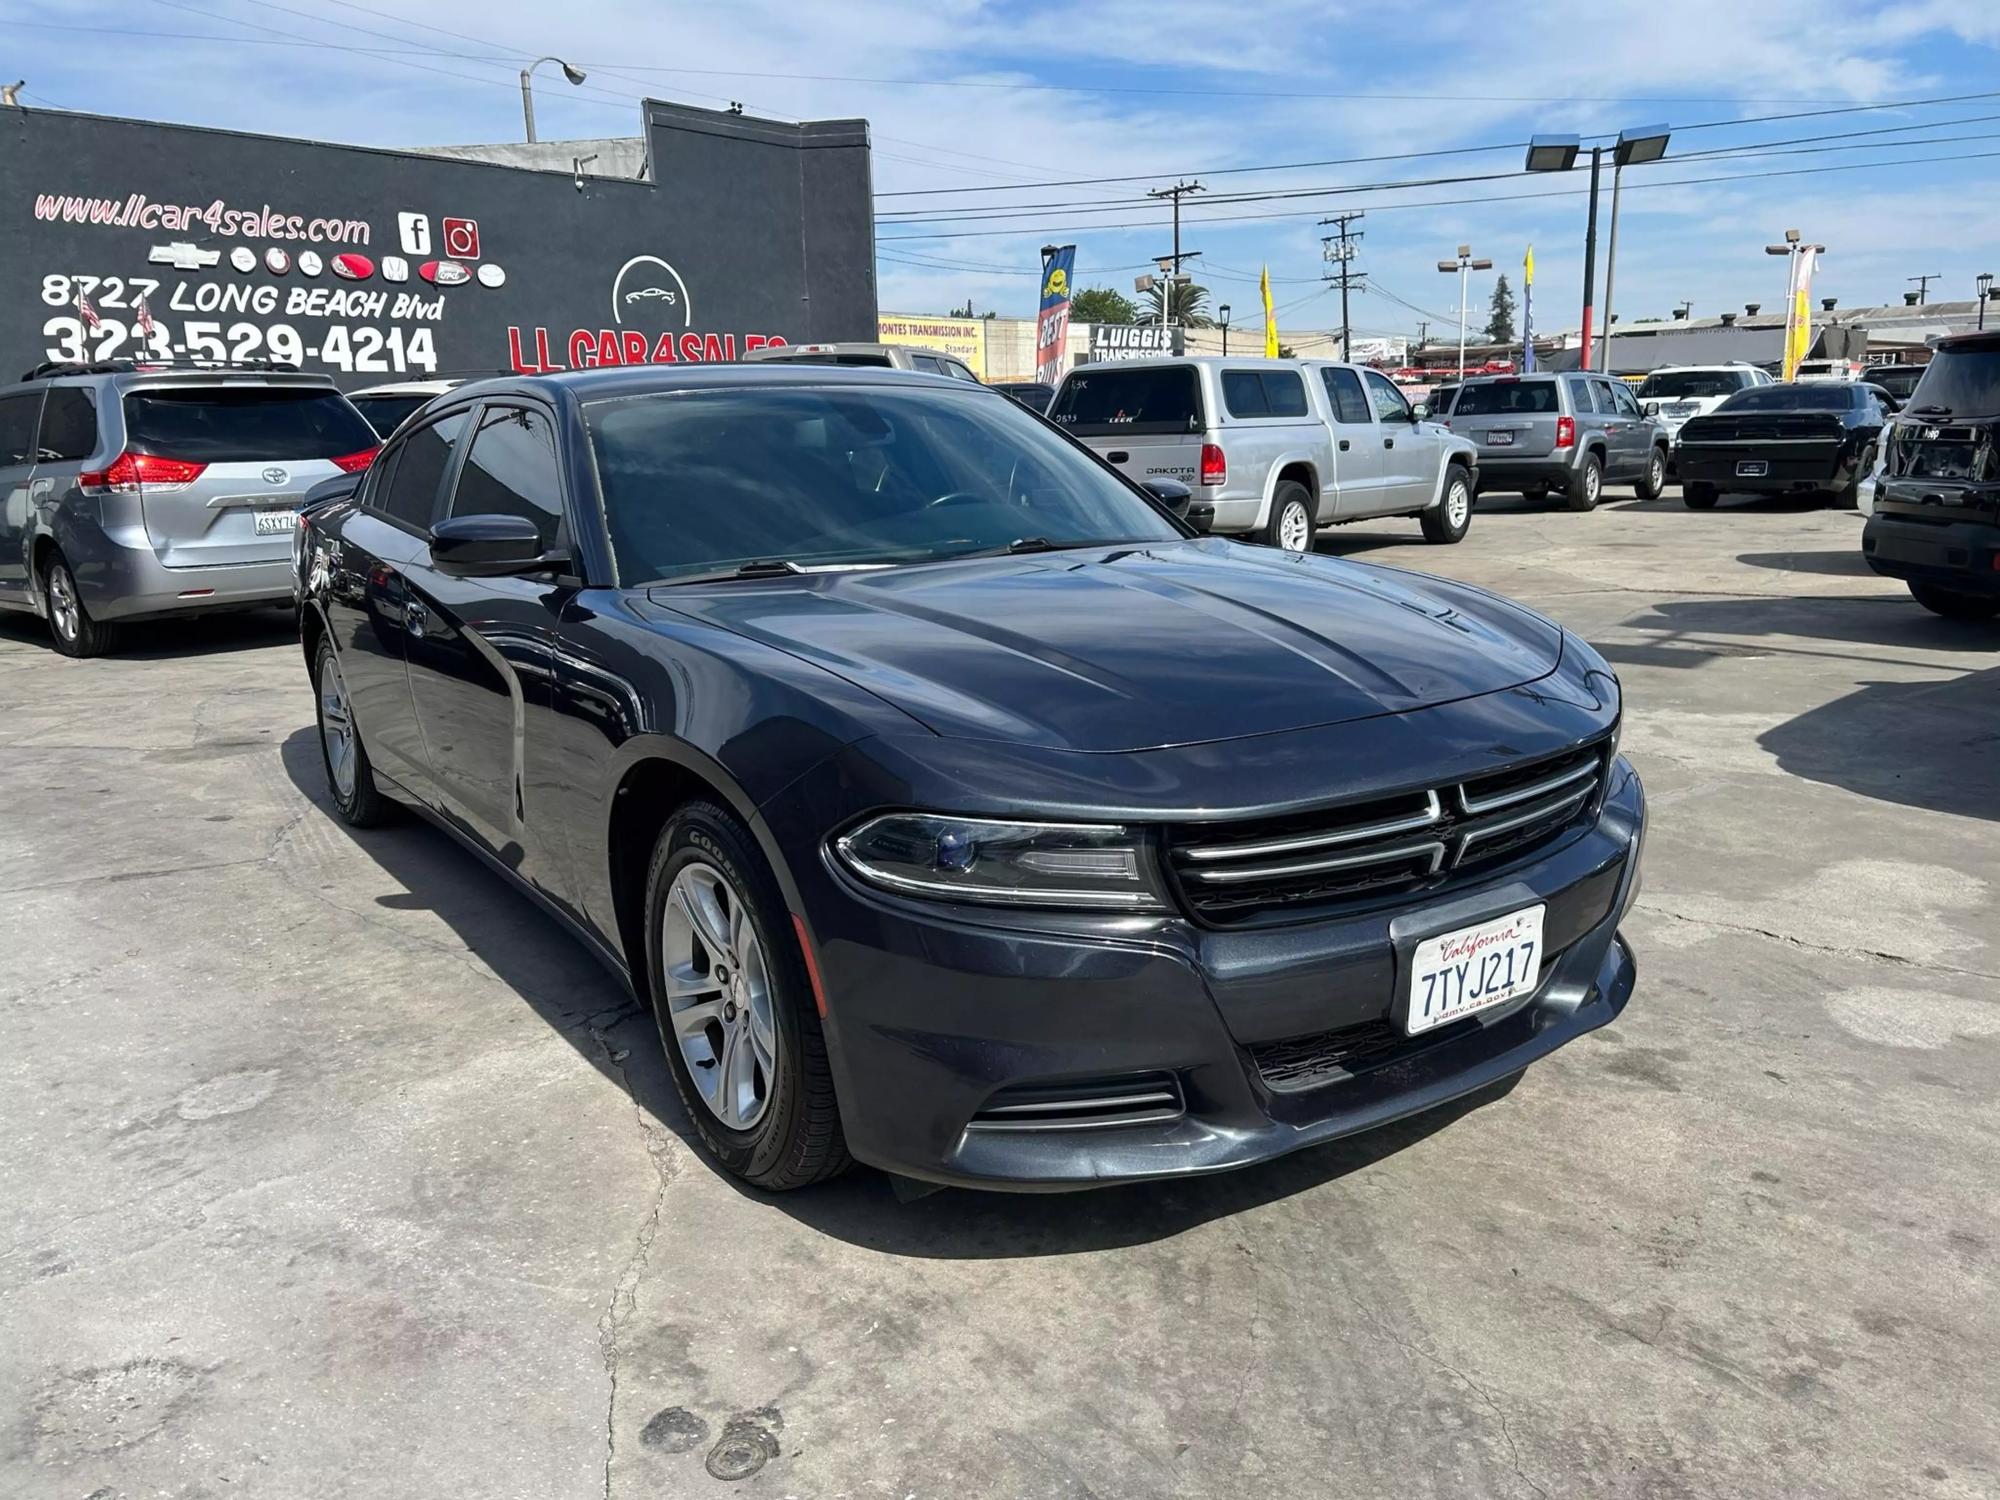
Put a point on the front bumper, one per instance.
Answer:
(1963, 556)
(931, 1012)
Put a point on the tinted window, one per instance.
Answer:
(244, 425)
(1821, 395)
(927, 364)
(69, 424)
(1627, 405)
(1343, 392)
(1898, 383)
(876, 361)
(1688, 385)
(714, 478)
(385, 413)
(1441, 399)
(408, 493)
(1505, 396)
(1263, 393)
(959, 372)
(1105, 401)
(17, 427)
(1389, 403)
(510, 470)
(1965, 382)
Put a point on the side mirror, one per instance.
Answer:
(1421, 411)
(1171, 493)
(491, 547)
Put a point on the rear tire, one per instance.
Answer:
(70, 625)
(1654, 481)
(1586, 485)
(350, 778)
(1972, 608)
(1449, 520)
(1290, 527)
(791, 1137)
(1848, 496)
(1698, 496)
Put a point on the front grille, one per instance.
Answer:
(1301, 864)
(1306, 1062)
(1084, 1104)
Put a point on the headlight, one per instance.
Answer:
(1101, 866)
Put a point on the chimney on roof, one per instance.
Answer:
(1729, 320)
(1750, 309)
(1827, 304)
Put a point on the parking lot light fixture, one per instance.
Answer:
(1984, 282)
(1634, 148)
(1463, 265)
(1552, 153)
(574, 74)
(1223, 308)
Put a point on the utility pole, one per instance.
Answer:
(1177, 192)
(1924, 286)
(1337, 249)
(1423, 332)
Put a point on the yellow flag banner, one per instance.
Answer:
(1798, 317)
(1270, 318)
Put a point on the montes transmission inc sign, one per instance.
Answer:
(162, 241)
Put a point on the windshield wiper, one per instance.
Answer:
(762, 567)
(1925, 411)
(1022, 545)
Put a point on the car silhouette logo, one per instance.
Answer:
(646, 292)
(275, 475)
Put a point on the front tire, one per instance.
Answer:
(1696, 495)
(1449, 520)
(1290, 528)
(350, 778)
(70, 624)
(1654, 481)
(1587, 484)
(735, 1007)
(1970, 608)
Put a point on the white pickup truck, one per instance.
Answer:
(1281, 447)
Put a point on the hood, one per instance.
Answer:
(1125, 648)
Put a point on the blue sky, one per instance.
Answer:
(970, 95)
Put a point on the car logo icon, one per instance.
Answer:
(182, 256)
(490, 274)
(353, 267)
(309, 263)
(395, 268)
(275, 475)
(444, 272)
(243, 258)
(277, 261)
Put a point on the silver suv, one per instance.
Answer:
(135, 492)
(1572, 434)
(1282, 447)
(884, 356)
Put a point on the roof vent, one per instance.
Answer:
(1750, 309)
(1729, 320)
(1828, 304)
(1910, 299)
(1680, 314)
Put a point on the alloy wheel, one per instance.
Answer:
(1294, 528)
(1457, 504)
(720, 1004)
(336, 728)
(65, 613)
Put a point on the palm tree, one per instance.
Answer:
(1189, 307)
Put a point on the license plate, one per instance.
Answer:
(1458, 974)
(276, 522)
(1500, 439)
(1752, 468)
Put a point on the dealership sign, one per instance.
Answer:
(1133, 341)
(156, 241)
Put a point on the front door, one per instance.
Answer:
(19, 414)
(1357, 445)
(481, 649)
(1624, 434)
(1407, 454)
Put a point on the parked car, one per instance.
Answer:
(385, 406)
(1828, 369)
(1030, 393)
(1936, 520)
(1572, 434)
(1810, 437)
(1673, 393)
(1281, 447)
(877, 356)
(1899, 381)
(138, 492)
(953, 808)
(1437, 403)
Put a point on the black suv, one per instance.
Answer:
(1937, 504)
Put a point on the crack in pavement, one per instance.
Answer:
(1902, 960)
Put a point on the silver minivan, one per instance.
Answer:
(134, 492)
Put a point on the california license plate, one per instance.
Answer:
(1500, 439)
(1752, 468)
(1458, 974)
(276, 522)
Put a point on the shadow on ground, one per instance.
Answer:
(171, 640)
(1693, 632)
(594, 1012)
(1847, 563)
(1933, 745)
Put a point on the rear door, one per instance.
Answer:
(1147, 421)
(20, 414)
(1357, 446)
(231, 461)
(481, 649)
(1508, 418)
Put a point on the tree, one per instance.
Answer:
(1500, 318)
(1100, 304)
(1189, 307)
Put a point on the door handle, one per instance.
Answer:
(415, 617)
(1343, 445)
(1118, 458)
(1388, 442)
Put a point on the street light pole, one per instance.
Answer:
(1558, 153)
(1224, 310)
(1983, 286)
(1590, 254)
(574, 75)
(1463, 265)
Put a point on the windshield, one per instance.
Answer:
(1897, 382)
(1490, 399)
(385, 413)
(1109, 402)
(706, 480)
(1965, 382)
(1825, 395)
(1685, 385)
(244, 424)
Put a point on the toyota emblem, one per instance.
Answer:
(276, 475)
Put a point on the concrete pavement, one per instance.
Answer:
(335, 1170)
